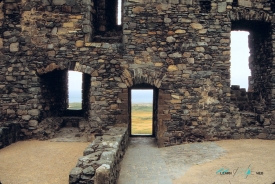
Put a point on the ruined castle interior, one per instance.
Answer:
(178, 48)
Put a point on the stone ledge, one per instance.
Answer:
(101, 161)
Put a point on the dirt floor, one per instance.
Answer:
(43, 162)
(246, 161)
(33, 162)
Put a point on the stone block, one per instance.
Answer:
(203, 31)
(200, 49)
(173, 1)
(222, 6)
(14, 47)
(68, 24)
(75, 175)
(114, 106)
(33, 123)
(87, 29)
(71, 2)
(58, 2)
(167, 20)
(122, 85)
(51, 53)
(245, 3)
(10, 78)
(79, 43)
(89, 171)
(26, 117)
(262, 136)
(34, 112)
(191, 60)
(188, 2)
(194, 114)
(180, 31)
(62, 31)
(184, 20)
(163, 54)
(172, 68)
(10, 111)
(196, 26)
(175, 55)
(137, 9)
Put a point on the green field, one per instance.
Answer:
(75, 106)
(142, 118)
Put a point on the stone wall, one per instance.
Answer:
(100, 163)
(181, 48)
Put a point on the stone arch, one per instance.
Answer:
(248, 14)
(54, 88)
(144, 78)
(74, 66)
(142, 75)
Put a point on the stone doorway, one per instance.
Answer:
(143, 110)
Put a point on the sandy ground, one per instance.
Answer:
(246, 161)
(33, 162)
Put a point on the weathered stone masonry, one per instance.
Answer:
(179, 47)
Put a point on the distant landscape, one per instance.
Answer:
(142, 117)
(75, 106)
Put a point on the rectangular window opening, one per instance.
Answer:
(119, 12)
(235, 3)
(142, 112)
(205, 6)
(240, 53)
(75, 90)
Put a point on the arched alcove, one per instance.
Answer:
(55, 93)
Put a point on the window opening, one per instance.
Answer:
(107, 21)
(240, 71)
(119, 12)
(272, 4)
(75, 90)
(142, 111)
(235, 3)
(205, 6)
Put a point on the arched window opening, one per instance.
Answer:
(240, 53)
(75, 90)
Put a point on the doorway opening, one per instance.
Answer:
(142, 111)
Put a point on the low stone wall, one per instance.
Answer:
(101, 161)
(9, 133)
